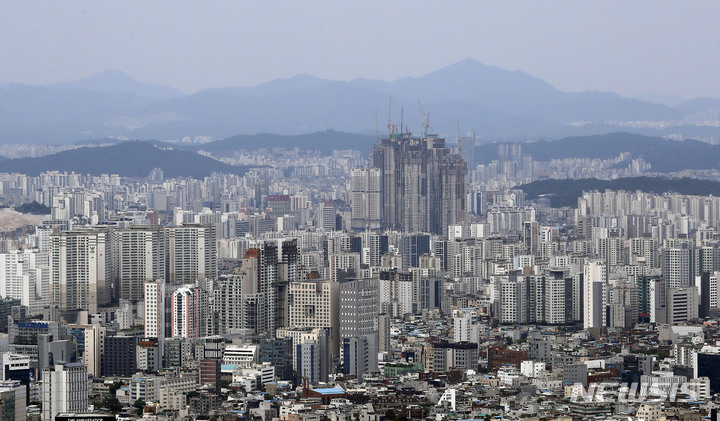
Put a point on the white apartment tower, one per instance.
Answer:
(366, 199)
(192, 253)
(25, 275)
(594, 294)
(140, 254)
(81, 269)
(677, 266)
(189, 310)
(155, 311)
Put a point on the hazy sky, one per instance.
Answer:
(630, 47)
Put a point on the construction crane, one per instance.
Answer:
(377, 131)
(459, 138)
(426, 123)
(389, 126)
(392, 128)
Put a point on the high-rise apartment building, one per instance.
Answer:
(155, 311)
(677, 267)
(81, 269)
(366, 198)
(192, 253)
(189, 311)
(237, 304)
(375, 246)
(423, 184)
(595, 290)
(264, 262)
(25, 275)
(140, 254)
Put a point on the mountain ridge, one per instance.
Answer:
(127, 159)
(507, 105)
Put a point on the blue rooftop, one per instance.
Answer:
(329, 391)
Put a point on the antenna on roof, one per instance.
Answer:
(402, 115)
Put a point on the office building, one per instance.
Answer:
(359, 307)
(148, 355)
(315, 304)
(177, 352)
(313, 357)
(210, 372)
(275, 352)
(119, 356)
(682, 304)
(358, 352)
(90, 340)
(412, 247)
(13, 400)
(64, 389)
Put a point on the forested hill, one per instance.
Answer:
(325, 142)
(564, 193)
(663, 155)
(128, 159)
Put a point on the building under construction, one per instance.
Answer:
(423, 183)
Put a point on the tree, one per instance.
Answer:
(139, 404)
(390, 414)
(115, 386)
(113, 404)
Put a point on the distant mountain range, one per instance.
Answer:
(496, 103)
(128, 159)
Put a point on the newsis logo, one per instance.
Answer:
(637, 392)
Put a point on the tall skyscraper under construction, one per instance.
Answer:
(423, 184)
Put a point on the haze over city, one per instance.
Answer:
(630, 48)
(371, 211)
